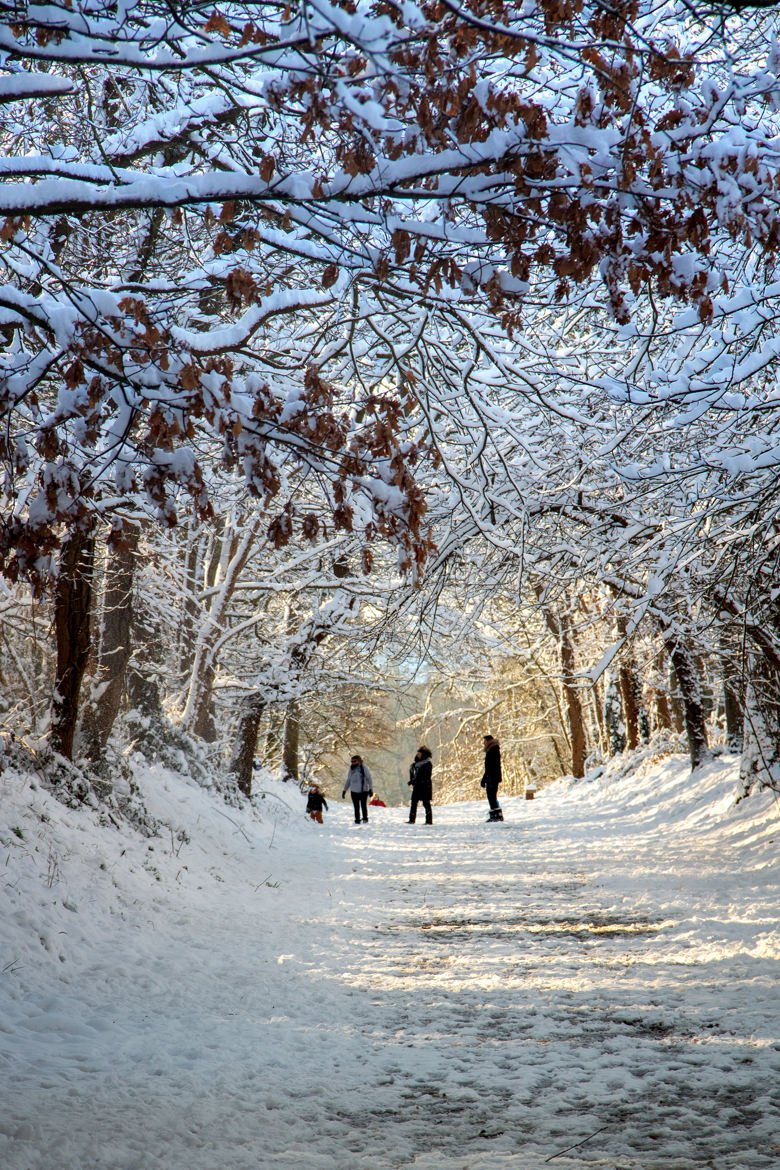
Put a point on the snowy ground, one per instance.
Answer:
(601, 969)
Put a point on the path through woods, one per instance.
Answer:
(591, 984)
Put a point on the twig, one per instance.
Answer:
(227, 818)
(280, 799)
(576, 1144)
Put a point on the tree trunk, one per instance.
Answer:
(613, 718)
(734, 715)
(72, 609)
(628, 684)
(204, 724)
(663, 712)
(191, 607)
(733, 704)
(560, 626)
(693, 710)
(630, 688)
(143, 692)
(573, 704)
(114, 646)
(197, 717)
(760, 763)
(675, 702)
(597, 701)
(292, 734)
(252, 709)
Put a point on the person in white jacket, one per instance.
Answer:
(360, 785)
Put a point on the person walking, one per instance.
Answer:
(360, 785)
(492, 777)
(421, 784)
(315, 802)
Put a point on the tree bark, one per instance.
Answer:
(760, 763)
(573, 701)
(597, 701)
(114, 647)
(143, 691)
(693, 710)
(292, 736)
(733, 697)
(191, 606)
(72, 611)
(663, 711)
(560, 627)
(675, 702)
(143, 694)
(732, 703)
(252, 709)
(629, 686)
(197, 717)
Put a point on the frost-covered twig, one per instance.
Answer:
(577, 1144)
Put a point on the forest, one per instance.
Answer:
(377, 371)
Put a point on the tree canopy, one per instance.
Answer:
(435, 274)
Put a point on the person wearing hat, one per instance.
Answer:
(421, 784)
(360, 785)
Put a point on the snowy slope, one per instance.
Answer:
(599, 972)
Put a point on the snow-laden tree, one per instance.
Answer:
(307, 236)
(170, 166)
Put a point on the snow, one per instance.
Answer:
(20, 85)
(597, 975)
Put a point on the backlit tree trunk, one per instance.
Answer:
(733, 702)
(114, 646)
(292, 735)
(197, 717)
(72, 609)
(630, 689)
(663, 711)
(252, 709)
(690, 694)
(560, 626)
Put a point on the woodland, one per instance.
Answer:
(379, 370)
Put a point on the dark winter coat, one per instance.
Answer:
(420, 780)
(492, 763)
(316, 802)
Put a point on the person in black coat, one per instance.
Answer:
(492, 777)
(315, 803)
(421, 784)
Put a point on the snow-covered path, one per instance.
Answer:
(601, 969)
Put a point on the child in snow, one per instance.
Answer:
(315, 803)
